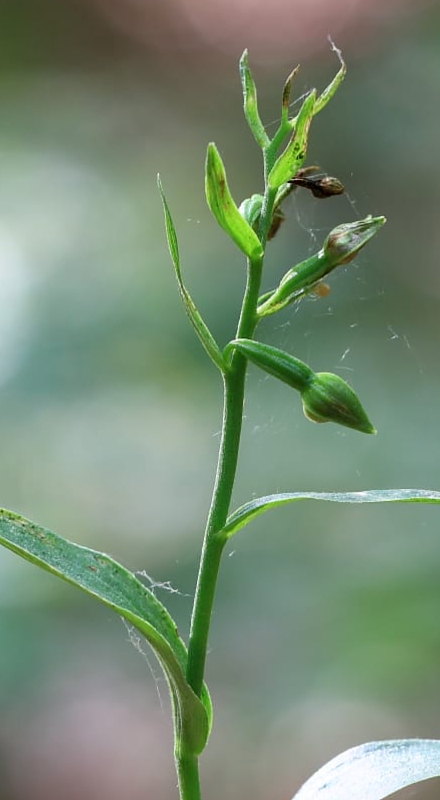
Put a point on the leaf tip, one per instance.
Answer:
(338, 52)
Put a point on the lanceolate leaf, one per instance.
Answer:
(243, 515)
(198, 323)
(103, 578)
(223, 206)
(373, 771)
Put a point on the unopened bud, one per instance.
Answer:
(250, 209)
(325, 397)
(328, 398)
(341, 245)
(345, 241)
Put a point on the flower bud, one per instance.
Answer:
(250, 209)
(345, 241)
(325, 397)
(328, 398)
(341, 245)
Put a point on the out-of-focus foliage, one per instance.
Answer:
(106, 396)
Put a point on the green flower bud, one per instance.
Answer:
(345, 241)
(325, 396)
(250, 209)
(328, 398)
(341, 245)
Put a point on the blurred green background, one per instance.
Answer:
(326, 628)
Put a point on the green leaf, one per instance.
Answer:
(246, 513)
(195, 318)
(289, 162)
(250, 104)
(373, 771)
(223, 207)
(103, 578)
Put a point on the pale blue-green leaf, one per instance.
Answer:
(243, 515)
(195, 318)
(103, 578)
(374, 771)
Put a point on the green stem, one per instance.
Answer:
(188, 776)
(213, 544)
(234, 378)
(234, 383)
